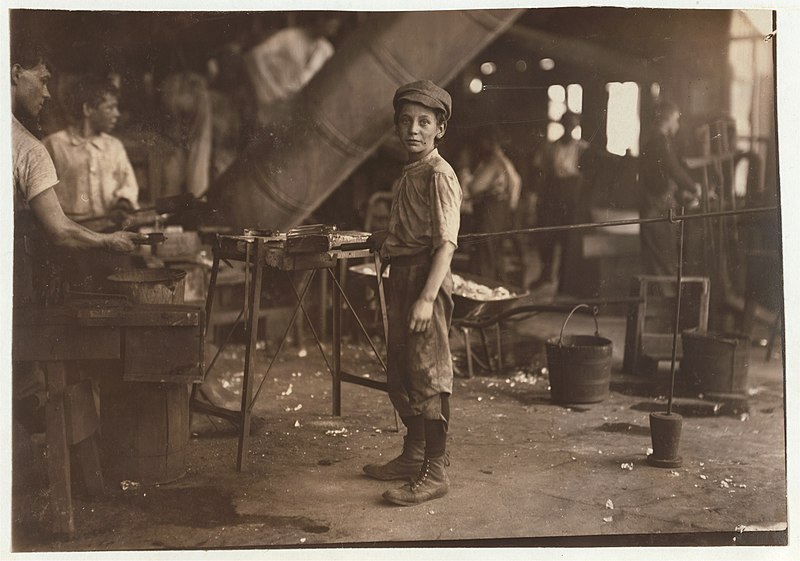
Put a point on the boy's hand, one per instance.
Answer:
(421, 314)
(375, 241)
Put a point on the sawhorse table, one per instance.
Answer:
(261, 254)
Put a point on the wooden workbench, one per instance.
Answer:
(155, 343)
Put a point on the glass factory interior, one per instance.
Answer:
(248, 129)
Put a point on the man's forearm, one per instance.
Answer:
(75, 236)
(60, 230)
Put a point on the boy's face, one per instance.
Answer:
(103, 118)
(418, 130)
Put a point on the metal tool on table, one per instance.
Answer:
(152, 238)
(318, 238)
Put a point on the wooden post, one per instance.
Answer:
(58, 466)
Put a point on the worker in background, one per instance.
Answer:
(493, 190)
(95, 175)
(419, 244)
(664, 185)
(559, 168)
(281, 65)
(96, 178)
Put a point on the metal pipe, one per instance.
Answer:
(611, 223)
(677, 313)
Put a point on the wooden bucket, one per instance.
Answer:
(145, 431)
(579, 366)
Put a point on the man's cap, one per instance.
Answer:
(425, 93)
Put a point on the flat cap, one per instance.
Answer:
(426, 93)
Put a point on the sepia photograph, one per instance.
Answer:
(344, 283)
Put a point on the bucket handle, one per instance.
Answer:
(576, 308)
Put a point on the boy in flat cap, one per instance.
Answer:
(419, 243)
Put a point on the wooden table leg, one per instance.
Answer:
(82, 424)
(251, 326)
(58, 466)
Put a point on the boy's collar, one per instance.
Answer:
(432, 154)
(77, 139)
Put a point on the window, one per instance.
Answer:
(623, 124)
(559, 100)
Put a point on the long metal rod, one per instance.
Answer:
(308, 320)
(677, 313)
(224, 343)
(359, 322)
(282, 342)
(590, 225)
(254, 274)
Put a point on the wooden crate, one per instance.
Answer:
(650, 321)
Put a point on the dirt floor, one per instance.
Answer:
(525, 471)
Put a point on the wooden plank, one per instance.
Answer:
(659, 346)
(163, 354)
(58, 465)
(89, 455)
(143, 315)
(64, 342)
(80, 412)
(108, 313)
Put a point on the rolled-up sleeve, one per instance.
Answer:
(445, 200)
(38, 173)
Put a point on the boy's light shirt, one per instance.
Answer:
(426, 208)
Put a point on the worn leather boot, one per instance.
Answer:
(431, 483)
(405, 466)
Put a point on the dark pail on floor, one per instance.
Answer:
(715, 362)
(579, 366)
(145, 431)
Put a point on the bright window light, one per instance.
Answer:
(575, 98)
(554, 131)
(488, 68)
(476, 85)
(655, 90)
(557, 93)
(547, 64)
(557, 102)
(623, 124)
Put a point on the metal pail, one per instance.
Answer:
(579, 365)
(152, 286)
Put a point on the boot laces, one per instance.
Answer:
(422, 475)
